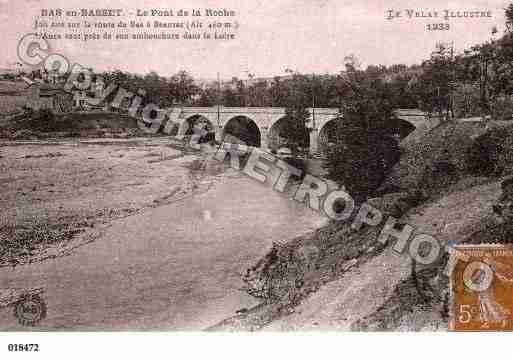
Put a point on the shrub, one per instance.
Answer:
(43, 120)
(502, 109)
(484, 154)
(298, 163)
(441, 174)
(24, 134)
(174, 130)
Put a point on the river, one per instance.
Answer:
(174, 267)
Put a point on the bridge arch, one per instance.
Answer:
(241, 128)
(280, 135)
(400, 127)
(201, 122)
(328, 134)
(197, 120)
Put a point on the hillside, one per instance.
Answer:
(16, 122)
(337, 278)
(444, 155)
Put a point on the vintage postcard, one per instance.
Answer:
(246, 166)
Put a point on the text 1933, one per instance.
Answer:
(438, 27)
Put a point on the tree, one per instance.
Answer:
(435, 85)
(297, 102)
(362, 153)
(509, 18)
(230, 98)
(183, 87)
(489, 68)
(208, 97)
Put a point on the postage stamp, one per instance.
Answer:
(482, 288)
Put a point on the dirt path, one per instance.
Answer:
(364, 289)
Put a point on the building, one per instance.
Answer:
(49, 96)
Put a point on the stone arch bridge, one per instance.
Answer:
(263, 122)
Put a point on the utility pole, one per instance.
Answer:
(313, 102)
(453, 84)
(218, 100)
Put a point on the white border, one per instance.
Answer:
(260, 345)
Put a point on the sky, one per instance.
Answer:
(309, 36)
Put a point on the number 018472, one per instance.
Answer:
(23, 347)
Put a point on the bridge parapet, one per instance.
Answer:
(263, 117)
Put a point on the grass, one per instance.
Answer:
(440, 159)
(19, 242)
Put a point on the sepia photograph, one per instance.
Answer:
(281, 167)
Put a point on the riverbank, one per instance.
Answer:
(167, 235)
(52, 191)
